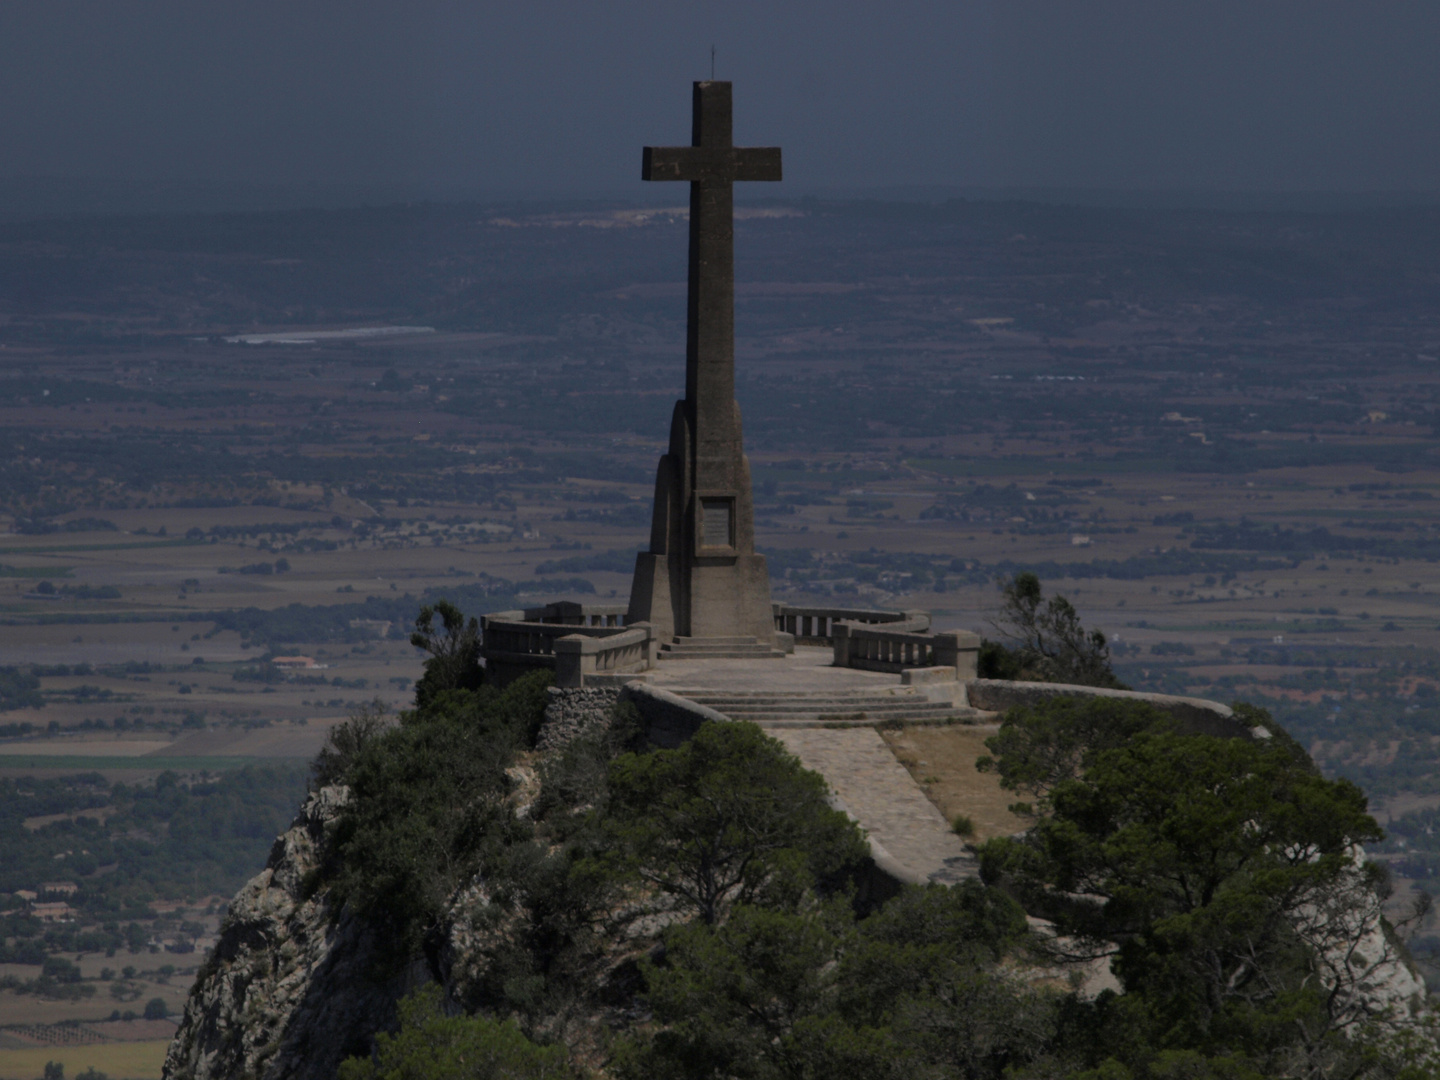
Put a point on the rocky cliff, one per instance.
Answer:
(291, 988)
(287, 992)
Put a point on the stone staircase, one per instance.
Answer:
(717, 648)
(847, 708)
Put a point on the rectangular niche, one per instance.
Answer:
(717, 523)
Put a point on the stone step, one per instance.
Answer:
(820, 702)
(712, 697)
(853, 708)
(878, 711)
(713, 649)
(795, 723)
(678, 640)
(723, 654)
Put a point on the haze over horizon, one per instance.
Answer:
(555, 98)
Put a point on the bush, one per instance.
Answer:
(345, 743)
(729, 818)
(433, 1046)
(156, 1009)
(1049, 644)
(429, 806)
(1218, 873)
(454, 649)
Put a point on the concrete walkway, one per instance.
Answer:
(884, 798)
(876, 790)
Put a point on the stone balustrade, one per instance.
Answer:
(580, 658)
(512, 644)
(871, 648)
(816, 625)
(569, 613)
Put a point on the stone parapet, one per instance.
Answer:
(1198, 715)
(880, 648)
(670, 720)
(582, 656)
(815, 625)
(510, 647)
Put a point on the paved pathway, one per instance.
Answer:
(884, 798)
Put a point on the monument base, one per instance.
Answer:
(727, 598)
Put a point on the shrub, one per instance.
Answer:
(729, 818)
(433, 1046)
(429, 806)
(1049, 644)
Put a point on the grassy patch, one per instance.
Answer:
(79, 763)
(128, 545)
(120, 1061)
(1038, 466)
(35, 572)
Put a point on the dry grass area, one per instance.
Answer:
(942, 761)
(120, 1061)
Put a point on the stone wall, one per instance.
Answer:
(669, 718)
(572, 710)
(1199, 715)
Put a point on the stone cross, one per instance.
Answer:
(712, 165)
(701, 577)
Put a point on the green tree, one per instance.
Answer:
(1041, 745)
(156, 1009)
(1045, 639)
(729, 818)
(346, 740)
(755, 998)
(428, 807)
(915, 990)
(1219, 877)
(433, 1046)
(454, 649)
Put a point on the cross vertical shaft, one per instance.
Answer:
(701, 576)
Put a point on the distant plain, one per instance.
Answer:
(1216, 433)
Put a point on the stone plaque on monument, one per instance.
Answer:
(701, 577)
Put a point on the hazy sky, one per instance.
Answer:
(559, 95)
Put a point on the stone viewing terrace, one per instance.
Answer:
(594, 645)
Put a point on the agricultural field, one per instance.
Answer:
(1214, 432)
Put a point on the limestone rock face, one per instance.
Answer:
(287, 992)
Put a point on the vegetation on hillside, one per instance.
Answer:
(1043, 641)
(1214, 877)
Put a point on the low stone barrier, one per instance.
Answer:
(579, 657)
(510, 647)
(669, 719)
(883, 649)
(1198, 715)
(815, 625)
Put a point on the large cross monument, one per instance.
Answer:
(701, 585)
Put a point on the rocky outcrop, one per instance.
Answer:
(288, 991)
(292, 987)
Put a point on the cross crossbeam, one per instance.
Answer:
(699, 164)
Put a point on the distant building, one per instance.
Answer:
(58, 888)
(59, 911)
(296, 663)
(379, 627)
(28, 895)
